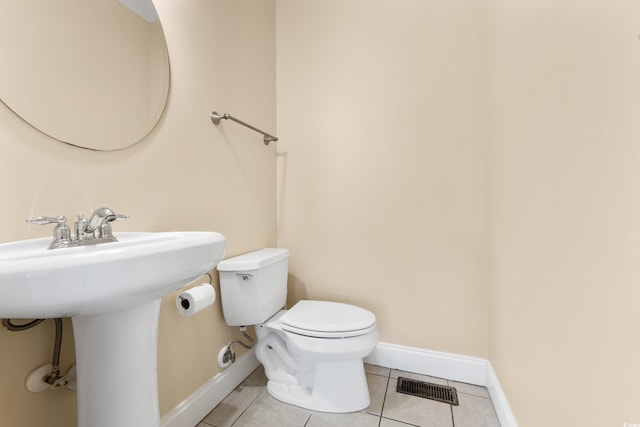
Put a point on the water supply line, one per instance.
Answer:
(227, 356)
(54, 375)
(7, 323)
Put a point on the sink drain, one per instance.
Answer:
(440, 393)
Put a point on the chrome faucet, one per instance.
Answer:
(92, 232)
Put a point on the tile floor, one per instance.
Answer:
(249, 405)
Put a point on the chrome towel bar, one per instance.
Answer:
(215, 118)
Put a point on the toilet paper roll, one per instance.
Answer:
(195, 299)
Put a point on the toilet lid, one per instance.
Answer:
(327, 319)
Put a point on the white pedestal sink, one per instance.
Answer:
(112, 292)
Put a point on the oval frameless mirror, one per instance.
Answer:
(91, 73)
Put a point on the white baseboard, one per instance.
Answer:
(195, 407)
(471, 370)
(466, 369)
(499, 399)
(454, 367)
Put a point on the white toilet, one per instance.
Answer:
(312, 353)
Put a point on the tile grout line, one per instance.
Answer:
(453, 420)
(464, 392)
(384, 399)
(248, 406)
(399, 421)
(308, 418)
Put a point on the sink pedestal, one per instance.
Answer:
(117, 367)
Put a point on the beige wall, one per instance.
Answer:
(382, 163)
(383, 110)
(188, 175)
(565, 209)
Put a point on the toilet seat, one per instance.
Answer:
(324, 319)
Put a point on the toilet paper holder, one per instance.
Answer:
(185, 302)
(196, 298)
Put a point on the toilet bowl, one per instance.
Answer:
(312, 353)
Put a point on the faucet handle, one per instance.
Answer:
(61, 232)
(43, 220)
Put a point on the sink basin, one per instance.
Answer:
(112, 292)
(39, 283)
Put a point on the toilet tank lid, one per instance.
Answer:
(253, 260)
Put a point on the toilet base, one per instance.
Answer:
(338, 387)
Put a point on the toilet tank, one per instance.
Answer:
(253, 286)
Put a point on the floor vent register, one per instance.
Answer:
(437, 392)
